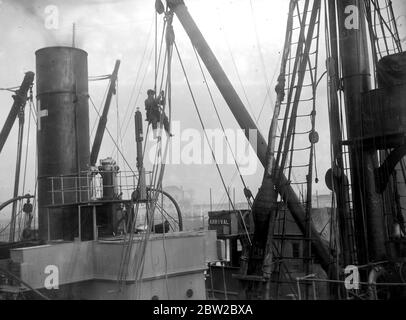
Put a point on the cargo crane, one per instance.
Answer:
(368, 151)
(81, 205)
(363, 45)
(22, 95)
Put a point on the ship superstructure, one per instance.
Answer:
(90, 244)
(88, 221)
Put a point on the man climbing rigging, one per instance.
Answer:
(154, 109)
(27, 232)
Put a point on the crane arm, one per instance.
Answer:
(103, 119)
(20, 98)
(246, 122)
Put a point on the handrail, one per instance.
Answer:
(5, 204)
(9, 274)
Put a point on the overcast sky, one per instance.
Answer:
(243, 33)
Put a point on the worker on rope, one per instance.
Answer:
(159, 7)
(155, 112)
(27, 231)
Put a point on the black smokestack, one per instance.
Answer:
(62, 137)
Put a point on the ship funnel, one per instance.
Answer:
(62, 137)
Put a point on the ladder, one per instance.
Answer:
(297, 136)
(383, 28)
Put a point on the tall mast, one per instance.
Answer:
(103, 119)
(337, 181)
(356, 74)
(246, 122)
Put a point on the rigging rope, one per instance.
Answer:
(12, 89)
(112, 138)
(99, 78)
(268, 85)
(126, 117)
(26, 159)
(208, 142)
(246, 189)
(155, 186)
(100, 108)
(238, 74)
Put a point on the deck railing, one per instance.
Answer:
(89, 186)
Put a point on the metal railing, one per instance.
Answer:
(88, 186)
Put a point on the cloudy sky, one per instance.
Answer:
(245, 34)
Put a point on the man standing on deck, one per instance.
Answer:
(154, 108)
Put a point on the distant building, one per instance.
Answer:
(290, 251)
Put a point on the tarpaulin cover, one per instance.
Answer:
(391, 70)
